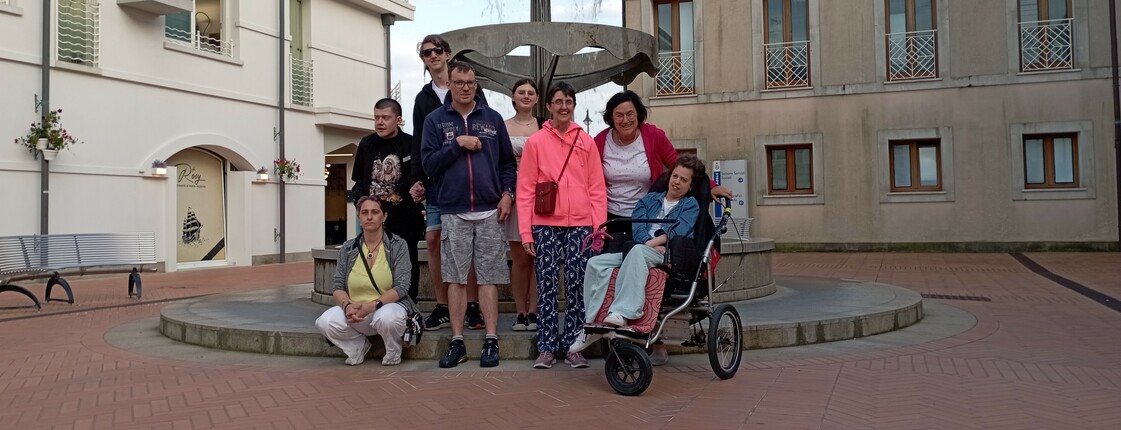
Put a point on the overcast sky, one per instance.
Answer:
(438, 16)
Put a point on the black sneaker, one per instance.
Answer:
(474, 317)
(490, 353)
(531, 322)
(520, 323)
(438, 319)
(457, 353)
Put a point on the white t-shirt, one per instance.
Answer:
(442, 93)
(627, 174)
(518, 142)
(476, 216)
(666, 207)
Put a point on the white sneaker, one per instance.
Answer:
(583, 341)
(615, 319)
(391, 358)
(354, 361)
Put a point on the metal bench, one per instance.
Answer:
(51, 256)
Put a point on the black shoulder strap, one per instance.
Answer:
(366, 264)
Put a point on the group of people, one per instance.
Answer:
(475, 184)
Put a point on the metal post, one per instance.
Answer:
(540, 11)
(1116, 113)
(387, 20)
(280, 110)
(44, 108)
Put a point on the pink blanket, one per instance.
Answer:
(655, 286)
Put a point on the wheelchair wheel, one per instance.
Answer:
(725, 341)
(628, 369)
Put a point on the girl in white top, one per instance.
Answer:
(523, 284)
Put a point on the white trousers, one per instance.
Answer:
(388, 322)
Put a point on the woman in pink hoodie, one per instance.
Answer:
(561, 152)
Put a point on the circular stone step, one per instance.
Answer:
(802, 311)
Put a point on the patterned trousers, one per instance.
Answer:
(554, 246)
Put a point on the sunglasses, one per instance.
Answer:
(426, 52)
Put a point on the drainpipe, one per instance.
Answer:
(280, 56)
(44, 107)
(387, 20)
(1116, 112)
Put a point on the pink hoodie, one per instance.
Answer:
(581, 194)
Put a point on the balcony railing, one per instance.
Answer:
(788, 64)
(199, 42)
(676, 73)
(1046, 45)
(79, 32)
(395, 92)
(303, 91)
(912, 55)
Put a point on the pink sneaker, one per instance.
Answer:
(576, 360)
(545, 360)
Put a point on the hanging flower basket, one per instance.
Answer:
(287, 170)
(47, 135)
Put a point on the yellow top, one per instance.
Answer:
(358, 283)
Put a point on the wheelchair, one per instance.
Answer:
(678, 304)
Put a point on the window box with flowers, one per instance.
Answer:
(287, 170)
(47, 137)
(159, 168)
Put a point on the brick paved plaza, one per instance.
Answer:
(1037, 355)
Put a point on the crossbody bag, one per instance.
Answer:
(414, 327)
(545, 193)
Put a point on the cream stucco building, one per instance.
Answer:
(897, 124)
(211, 86)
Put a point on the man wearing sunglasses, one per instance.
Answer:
(467, 151)
(434, 52)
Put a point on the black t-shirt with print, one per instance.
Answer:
(382, 168)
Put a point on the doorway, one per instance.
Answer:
(335, 204)
(200, 213)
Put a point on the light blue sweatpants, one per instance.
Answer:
(630, 285)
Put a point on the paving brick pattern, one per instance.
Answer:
(1040, 356)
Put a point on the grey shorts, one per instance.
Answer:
(480, 241)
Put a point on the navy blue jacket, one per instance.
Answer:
(468, 181)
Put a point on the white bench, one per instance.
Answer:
(51, 256)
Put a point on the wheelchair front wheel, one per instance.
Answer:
(628, 369)
(725, 341)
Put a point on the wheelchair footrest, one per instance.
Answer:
(611, 332)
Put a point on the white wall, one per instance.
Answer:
(146, 100)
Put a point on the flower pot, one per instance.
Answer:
(263, 177)
(159, 171)
(41, 144)
(50, 154)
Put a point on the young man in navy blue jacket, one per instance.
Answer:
(466, 150)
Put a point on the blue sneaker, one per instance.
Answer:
(457, 353)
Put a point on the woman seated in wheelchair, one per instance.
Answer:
(650, 241)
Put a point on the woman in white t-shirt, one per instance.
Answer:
(523, 284)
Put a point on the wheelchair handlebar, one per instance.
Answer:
(637, 220)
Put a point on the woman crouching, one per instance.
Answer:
(371, 289)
